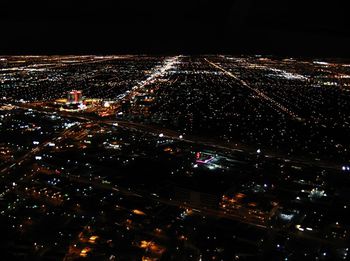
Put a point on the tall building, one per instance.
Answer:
(74, 96)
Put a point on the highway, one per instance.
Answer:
(35, 151)
(174, 135)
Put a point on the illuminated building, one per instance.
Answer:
(74, 96)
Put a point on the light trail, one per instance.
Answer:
(262, 95)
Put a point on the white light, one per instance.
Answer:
(180, 136)
(161, 135)
(299, 228)
(258, 151)
(82, 106)
(309, 228)
(286, 216)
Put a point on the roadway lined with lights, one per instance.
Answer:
(277, 105)
(37, 149)
(171, 134)
(157, 72)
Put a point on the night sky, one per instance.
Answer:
(284, 27)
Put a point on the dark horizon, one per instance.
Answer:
(197, 27)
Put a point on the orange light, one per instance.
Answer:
(138, 212)
(85, 251)
(92, 239)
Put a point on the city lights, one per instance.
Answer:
(137, 157)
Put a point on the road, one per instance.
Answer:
(35, 151)
(262, 95)
(191, 139)
(154, 130)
